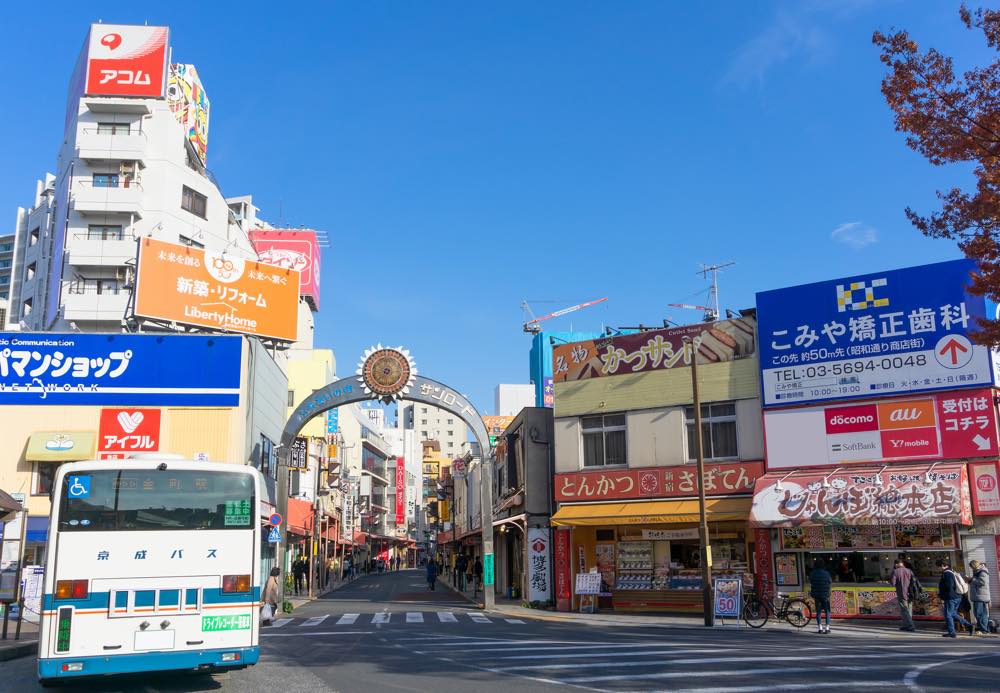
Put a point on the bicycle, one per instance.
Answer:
(759, 608)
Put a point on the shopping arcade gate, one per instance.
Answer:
(389, 375)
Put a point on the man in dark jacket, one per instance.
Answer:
(979, 595)
(820, 582)
(904, 582)
(951, 597)
(477, 572)
(461, 565)
(432, 571)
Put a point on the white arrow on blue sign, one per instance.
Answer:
(274, 536)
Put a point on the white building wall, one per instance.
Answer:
(510, 399)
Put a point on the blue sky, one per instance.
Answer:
(465, 156)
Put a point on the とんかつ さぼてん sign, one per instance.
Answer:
(893, 332)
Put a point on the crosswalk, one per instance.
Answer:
(383, 618)
(691, 664)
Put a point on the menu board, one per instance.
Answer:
(925, 536)
(864, 537)
(817, 537)
(786, 569)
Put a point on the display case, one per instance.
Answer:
(635, 565)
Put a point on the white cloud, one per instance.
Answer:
(855, 235)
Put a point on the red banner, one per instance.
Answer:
(763, 559)
(128, 430)
(658, 482)
(984, 478)
(400, 492)
(934, 494)
(563, 595)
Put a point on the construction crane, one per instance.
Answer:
(532, 326)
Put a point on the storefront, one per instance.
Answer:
(859, 521)
(648, 551)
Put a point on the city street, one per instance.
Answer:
(387, 632)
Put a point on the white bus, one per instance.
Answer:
(153, 565)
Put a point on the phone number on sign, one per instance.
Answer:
(888, 363)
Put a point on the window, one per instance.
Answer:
(291, 398)
(718, 431)
(95, 286)
(603, 440)
(4, 264)
(26, 308)
(34, 237)
(45, 474)
(451, 433)
(451, 445)
(423, 410)
(113, 128)
(105, 180)
(6, 247)
(103, 232)
(193, 243)
(29, 273)
(267, 457)
(193, 202)
(125, 500)
(423, 422)
(451, 421)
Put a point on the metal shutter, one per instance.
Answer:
(983, 547)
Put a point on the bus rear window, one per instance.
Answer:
(150, 499)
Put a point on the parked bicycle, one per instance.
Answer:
(758, 608)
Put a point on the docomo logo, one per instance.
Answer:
(851, 419)
(223, 268)
(111, 41)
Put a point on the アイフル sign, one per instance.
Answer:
(124, 431)
(894, 332)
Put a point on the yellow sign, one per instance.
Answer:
(444, 511)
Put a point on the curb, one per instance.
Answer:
(21, 649)
(460, 594)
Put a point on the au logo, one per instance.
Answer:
(860, 295)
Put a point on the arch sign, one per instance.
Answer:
(387, 375)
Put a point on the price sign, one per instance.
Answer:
(588, 583)
(728, 596)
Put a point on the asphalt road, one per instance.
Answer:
(389, 633)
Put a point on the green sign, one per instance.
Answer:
(234, 622)
(488, 569)
(237, 513)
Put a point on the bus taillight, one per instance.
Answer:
(72, 589)
(235, 583)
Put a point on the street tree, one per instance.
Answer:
(954, 119)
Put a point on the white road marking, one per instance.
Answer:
(382, 617)
(314, 621)
(479, 617)
(347, 619)
(414, 617)
(910, 679)
(313, 633)
(447, 617)
(515, 621)
(856, 685)
(281, 622)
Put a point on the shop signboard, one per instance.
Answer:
(728, 597)
(400, 491)
(932, 495)
(985, 482)
(548, 392)
(895, 332)
(126, 60)
(488, 573)
(298, 456)
(539, 567)
(725, 340)
(296, 249)
(658, 482)
(124, 431)
(332, 421)
(495, 426)
(122, 370)
(670, 534)
(951, 425)
(203, 288)
(563, 569)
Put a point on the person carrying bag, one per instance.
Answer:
(269, 607)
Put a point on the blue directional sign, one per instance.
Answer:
(274, 536)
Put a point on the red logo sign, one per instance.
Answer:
(968, 424)
(852, 419)
(400, 492)
(986, 483)
(658, 482)
(129, 430)
(126, 60)
(909, 442)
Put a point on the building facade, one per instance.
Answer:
(431, 423)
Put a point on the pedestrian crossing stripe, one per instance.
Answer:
(414, 617)
(381, 618)
(314, 621)
(447, 617)
(478, 617)
(516, 621)
(281, 621)
(347, 619)
(387, 617)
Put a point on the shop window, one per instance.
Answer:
(267, 457)
(603, 440)
(45, 473)
(718, 431)
(194, 202)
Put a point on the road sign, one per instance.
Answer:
(275, 519)
(274, 536)
(488, 569)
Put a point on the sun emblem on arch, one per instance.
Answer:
(386, 373)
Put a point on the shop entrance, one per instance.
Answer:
(388, 375)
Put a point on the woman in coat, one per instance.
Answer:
(979, 595)
(270, 595)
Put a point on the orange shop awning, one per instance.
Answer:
(652, 513)
(299, 516)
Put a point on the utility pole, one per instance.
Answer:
(706, 547)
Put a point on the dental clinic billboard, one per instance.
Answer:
(872, 335)
(47, 368)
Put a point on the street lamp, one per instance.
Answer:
(706, 548)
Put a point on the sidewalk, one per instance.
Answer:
(26, 646)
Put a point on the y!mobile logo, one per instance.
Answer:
(860, 295)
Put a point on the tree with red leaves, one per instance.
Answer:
(952, 119)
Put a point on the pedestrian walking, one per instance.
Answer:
(951, 589)
(979, 595)
(461, 566)
(298, 573)
(820, 582)
(906, 585)
(477, 571)
(432, 572)
(269, 598)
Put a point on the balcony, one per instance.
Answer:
(93, 144)
(88, 251)
(85, 304)
(125, 198)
